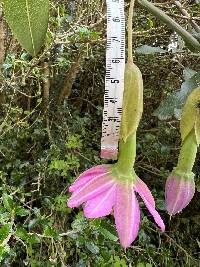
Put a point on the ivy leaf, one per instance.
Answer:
(20, 211)
(108, 231)
(107, 234)
(22, 233)
(4, 232)
(50, 232)
(8, 202)
(149, 50)
(4, 251)
(25, 236)
(92, 247)
(28, 21)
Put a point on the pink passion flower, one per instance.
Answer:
(180, 185)
(104, 189)
(178, 193)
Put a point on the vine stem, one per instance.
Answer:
(130, 31)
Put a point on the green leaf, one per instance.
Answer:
(149, 50)
(188, 73)
(22, 233)
(4, 232)
(4, 216)
(119, 262)
(108, 235)
(25, 236)
(34, 239)
(28, 21)
(74, 141)
(58, 165)
(8, 202)
(92, 247)
(173, 103)
(50, 232)
(166, 109)
(60, 204)
(108, 231)
(4, 251)
(22, 211)
(141, 264)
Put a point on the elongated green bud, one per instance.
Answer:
(190, 118)
(180, 185)
(133, 100)
(133, 89)
(190, 134)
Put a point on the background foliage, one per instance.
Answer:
(50, 129)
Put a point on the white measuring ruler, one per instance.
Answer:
(114, 80)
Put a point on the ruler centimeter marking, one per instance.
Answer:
(114, 80)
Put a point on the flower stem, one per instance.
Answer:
(130, 32)
(127, 149)
(127, 154)
(187, 154)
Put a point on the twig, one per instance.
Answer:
(188, 16)
(46, 86)
(71, 76)
(188, 38)
(46, 89)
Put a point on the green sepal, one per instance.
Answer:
(122, 176)
(185, 175)
(190, 116)
(197, 127)
(133, 100)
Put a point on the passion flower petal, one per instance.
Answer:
(142, 189)
(87, 175)
(100, 205)
(127, 214)
(90, 190)
(155, 215)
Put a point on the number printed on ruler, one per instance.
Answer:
(114, 80)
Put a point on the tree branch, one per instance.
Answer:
(71, 76)
(191, 42)
(186, 14)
